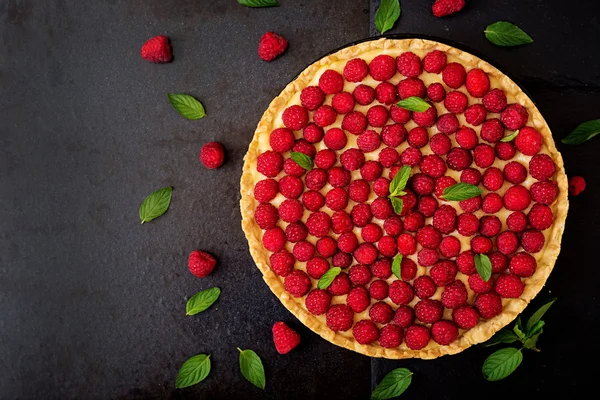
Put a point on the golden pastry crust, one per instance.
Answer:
(485, 329)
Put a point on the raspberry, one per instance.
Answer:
(296, 232)
(429, 237)
(393, 226)
(413, 221)
(516, 221)
(436, 92)
(470, 205)
(465, 317)
(381, 208)
(540, 217)
(359, 190)
(212, 155)
(408, 269)
(313, 133)
(470, 175)
(407, 244)
(505, 151)
(454, 295)
(529, 141)
(295, 117)
(444, 332)
(291, 187)
(365, 332)
(281, 140)
(444, 219)
(425, 118)
(466, 138)
(359, 274)
(459, 159)
(371, 233)
(515, 172)
(317, 302)
(157, 50)
(499, 262)
(391, 336)
(326, 247)
(404, 316)
(269, 163)
(409, 64)
(271, 46)
(364, 94)
(424, 287)
(354, 122)
(456, 102)
(517, 198)
(492, 130)
(331, 82)
(418, 137)
(290, 210)
(443, 272)
(387, 246)
(429, 311)
(522, 264)
(313, 200)
(401, 293)
(477, 83)
(507, 242)
(324, 116)
(342, 260)
(339, 317)
(410, 157)
(377, 116)
(356, 70)
(449, 247)
(361, 214)
(315, 179)
(434, 62)
(303, 251)
(547, 195)
(381, 312)
(546, 192)
(481, 245)
(409, 200)
(478, 285)
(541, 167)
(284, 338)
(495, 101)
(297, 283)
(340, 286)
(343, 102)
(489, 225)
(492, 203)
(514, 117)
(382, 67)
(467, 224)
(312, 97)
(393, 135)
(379, 289)
(440, 144)
(411, 87)
(422, 184)
(484, 155)
(400, 115)
(316, 267)
(387, 158)
(274, 239)
(454, 75)
(385, 93)
(427, 257)
(509, 286)
(366, 253)
(371, 170)
(318, 224)
(368, 141)
(266, 190)
(266, 216)
(427, 205)
(447, 123)
(475, 114)
(532, 241)
(417, 337)
(466, 262)
(433, 165)
(381, 187)
(335, 139)
(341, 222)
(338, 177)
(304, 147)
(200, 263)
(442, 8)
(488, 305)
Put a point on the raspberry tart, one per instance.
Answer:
(330, 206)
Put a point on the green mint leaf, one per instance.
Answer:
(396, 264)
(258, 3)
(397, 204)
(504, 33)
(186, 105)
(387, 14)
(502, 336)
(393, 384)
(531, 343)
(414, 103)
(583, 132)
(535, 329)
(483, 266)
(302, 160)
(461, 191)
(510, 137)
(399, 182)
(202, 300)
(252, 368)
(156, 204)
(520, 334)
(537, 316)
(193, 371)
(328, 277)
(501, 364)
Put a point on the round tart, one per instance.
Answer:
(330, 206)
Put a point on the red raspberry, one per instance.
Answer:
(326, 247)
(338, 177)
(324, 116)
(488, 305)
(454, 75)
(522, 264)
(444, 219)
(379, 289)
(273, 239)
(342, 260)
(410, 157)
(509, 286)
(356, 70)
(409, 200)
(393, 135)
(436, 92)
(514, 117)
(393, 226)
(540, 217)
(404, 316)
(481, 245)
(425, 118)
(366, 253)
(507, 242)
(477, 83)
(429, 237)
(492, 203)
(492, 130)
(401, 292)
(295, 117)
(478, 285)
(266, 190)
(271, 46)
(459, 159)
(456, 102)
(297, 283)
(361, 215)
(365, 332)
(359, 190)
(442, 8)
(371, 233)
(284, 337)
(340, 286)
(281, 140)
(516, 221)
(339, 317)
(475, 114)
(317, 302)
(291, 210)
(302, 146)
(331, 82)
(505, 151)
(388, 157)
(387, 246)
(157, 50)
(354, 122)
(440, 144)
(489, 225)
(413, 221)
(269, 163)
(484, 155)
(411, 87)
(427, 205)
(409, 64)
(341, 222)
(515, 172)
(444, 332)
(368, 141)
(470, 175)
(303, 251)
(424, 287)
(434, 62)
(465, 317)
(382, 67)
(291, 187)
(408, 269)
(541, 167)
(576, 186)
(343, 102)
(364, 94)
(316, 267)
(296, 232)
(466, 138)
(449, 247)
(371, 170)
(381, 208)
(266, 216)
(517, 198)
(400, 115)
(313, 200)
(546, 192)
(381, 187)
(360, 274)
(385, 93)
(418, 137)
(495, 101)
(318, 224)
(454, 295)
(212, 155)
(447, 123)
(471, 205)
(467, 224)
(422, 184)
(417, 337)
(377, 116)
(529, 141)
(429, 311)
(532, 241)
(391, 336)
(381, 312)
(427, 257)
(466, 262)
(201, 264)
(312, 133)
(407, 244)
(433, 165)
(316, 178)
(499, 262)
(335, 139)
(443, 272)
(312, 97)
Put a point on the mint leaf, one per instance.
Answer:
(252, 368)
(531, 343)
(387, 14)
(414, 103)
(502, 336)
(520, 334)
(258, 3)
(396, 264)
(510, 137)
(202, 300)
(393, 384)
(483, 266)
(537, 316)
(397, 204)
(302, 160)
(187, 106)
(504, 33)
(327, 278)
(583, 132)
(501, 364)
(193, 371)
(461, 191)
(535, 329)
(156, 204)
(399, 182)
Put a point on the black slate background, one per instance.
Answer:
(92, 304)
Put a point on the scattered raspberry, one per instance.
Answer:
(410, 157)
(297, 283)
(529, 141)
(425, 118)
(417, 337)
(429, 311)
(382, 67)
(273, 239)
(295, 117)
(475, 114)
(296, 232)
(447, 123)
(443, 273)
(478, 285)
(343, 102)
(385, 93)
(391, 336)
(456, 102)
(514, 117)
(284, 337)
(361, 215)
(266, 190)
(495, 101)
(341, 222)
(326, 247)
(541, 167)
(492, 130)
(393, 226)
(354, 122)
(515, 172)
(157, 50)
(359, 274)
(317, 302)
(318, 224)
(200, 263)
(488, 305)
(465, 317)
(444, 219)
(509, 286)
(546, 192)
(371, 170)
(434, 62)
(436, 92)
(269, 163)
(481, 245)
(489, 225)
(401, 292)
(522, 264)
(212, 155)
(470, 175)
(377, 116)
(459, 159)
(410, 87)
(440, 144)
(449, 247)
(454, 295)
(356, 70)
(266, 216)
(532, 241)
(444, 332)
(477, 82)
(379, 289)
(505, 151)
(339, 317)
(466, 138)
(540, 217)
(427, 205)
(364, 95)
(407, 244)
(338, 177)
(576, 186)
(400, 115)
(359, 190)
(507, 242)
(492, 203)
(442, 8)
(271, 45)
(454, 75)
(366, 253)
(381, 312)
(331, 82)
(517, 198)
(365, 332)
(425, 287)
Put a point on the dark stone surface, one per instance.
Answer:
(93, 303)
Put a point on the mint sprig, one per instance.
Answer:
(483, 265)
(397, 186)
(187, 106)
(387, 14)
(156, 204)
(461, 191)
(583, 132)
(396, 266)
(504, 34)
(302, 160)
(393, 384)
(327, 279)
(258, 3)
(414, 103)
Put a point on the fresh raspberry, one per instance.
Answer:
(454, 75)
(481, 245)
(456, 102)
(377, 116)
(335, 139)
(505, 151)
(425, 118)
(315, 179)
(157, 50)
(427, 257)
(316, 267)
(273, 239)
(429, 311)
(507, 242)
(418, 137)
(313, 200)
(411, 87)
(547, 194)
(401, 292)
(465, 317)
(509, 286)
(541, 167)
(444, 332)
(364, 95)
(331, 82)
(291, 187)
(410, 157)
(381, 208)
(318, 224)
(296, 232)
(436, 92)
(385, 93)
(200, 263)
(443, 272)
(466, 262)
(471, 205)
(393, 226)
(427, 205)
(343, 102)
(356, 70)
(495, 101)
(515, 172)
(517, 198)
(433, 165)
(393, 135)
(371, 170)
(382, 268)
(454, 295)
(391, 336)
(312, 133)
(290, 210)
(492, 203)
(359, 274)
(400, 115)
(478, 285)
(540, 217)
(409, 64)
(387, 246)
(212, 155)
(407, 244)
(466, 138)
(290, 167)
(408, 269)
(324, 116)
(529, 141)
(266, 190)
(470, 175)
(269, 163)
(368, 141)
(379, 289)
(444, 219)
(434, 62)
(409, 200)
(271, 46)
(484, 155)
(475, 114)
(266, 216)
(365, 332)
(447, 123)
(488, 305)
(304, 147)
(341, 222)
(340, 285)
(281, 140)
(342, 260)
(284, 338)
(459, 159)
(338, 177)
(339, 317)
(303, 251)
(381, 312)
(359, 190)
(382, 67)
(404, 316)
(532, 241)
(440, 144)
(424, 287)
(366, 253)
(326, 247)
(492, 130)
(514, 117)
(489, 225)
(477, 82)
(467, 224)
(522, 264)
(499, 262)
(354, 122)
(442, 8)
(361, 215)
(295, 117)
(413, 221)
(381, 187)
(417, 337)
(429, 237)
(516, 221)
(297, 283)
(422, 184)
(312, 97)
(449, 247)
(371, 233)
(317, 302)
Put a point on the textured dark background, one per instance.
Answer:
(92, 304)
